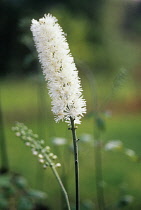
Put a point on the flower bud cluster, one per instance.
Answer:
(38, 148)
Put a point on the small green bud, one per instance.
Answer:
(24, 137)
(41, 160)
(29, 138)
(18, 134)
(34, 152)
(27, 143)
(47, 148)
(58, 165)
(54, 157)
(23, 132)
(51, 154)
(40, 156)
(42, 141)
(35, 136)
(14, 128)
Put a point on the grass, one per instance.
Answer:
(27, 101)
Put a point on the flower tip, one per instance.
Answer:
(33, 21)
(42, 20)
(55, 57)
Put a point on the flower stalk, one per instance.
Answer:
(99, 176)
(45, 157)
(76, 161)
(62, 186)
(62, 78)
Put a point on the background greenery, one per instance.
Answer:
(103, 34)
(104, 38)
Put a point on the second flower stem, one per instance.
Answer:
(60, 183)
(75, 146)
(62, 187)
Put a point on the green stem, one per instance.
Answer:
(73, 129)
(62, 186)
(99, 172)
(59, 181)
(99, 176)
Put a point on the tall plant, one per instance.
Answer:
(62, 79)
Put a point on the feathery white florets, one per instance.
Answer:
(59, 69)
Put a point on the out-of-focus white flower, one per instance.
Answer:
(108, 113)
(59, 141)
(114, 145)
(85, 137)
(59, 69)
(129, 198)
(131, 153)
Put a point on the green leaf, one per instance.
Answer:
(35, 194)
(3, 202)
(25, 203)
(5, 181)
(20, 182)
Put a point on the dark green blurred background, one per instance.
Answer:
(103, 34)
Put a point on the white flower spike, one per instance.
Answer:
(59, 69)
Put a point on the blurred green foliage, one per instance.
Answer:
(103, 36)
(20, 102)
(16, 194)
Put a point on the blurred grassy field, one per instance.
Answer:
(27, 101)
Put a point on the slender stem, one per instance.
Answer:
(62, 186)
(73, 129)
(4, 156)
(98, 156)
(59, 181)
(99, 178)
(99, 175)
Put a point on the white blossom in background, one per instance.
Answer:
(58, 141)
(114, 145)
(131, 154)
(85, 137)
(128, 198)
(59, 69)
